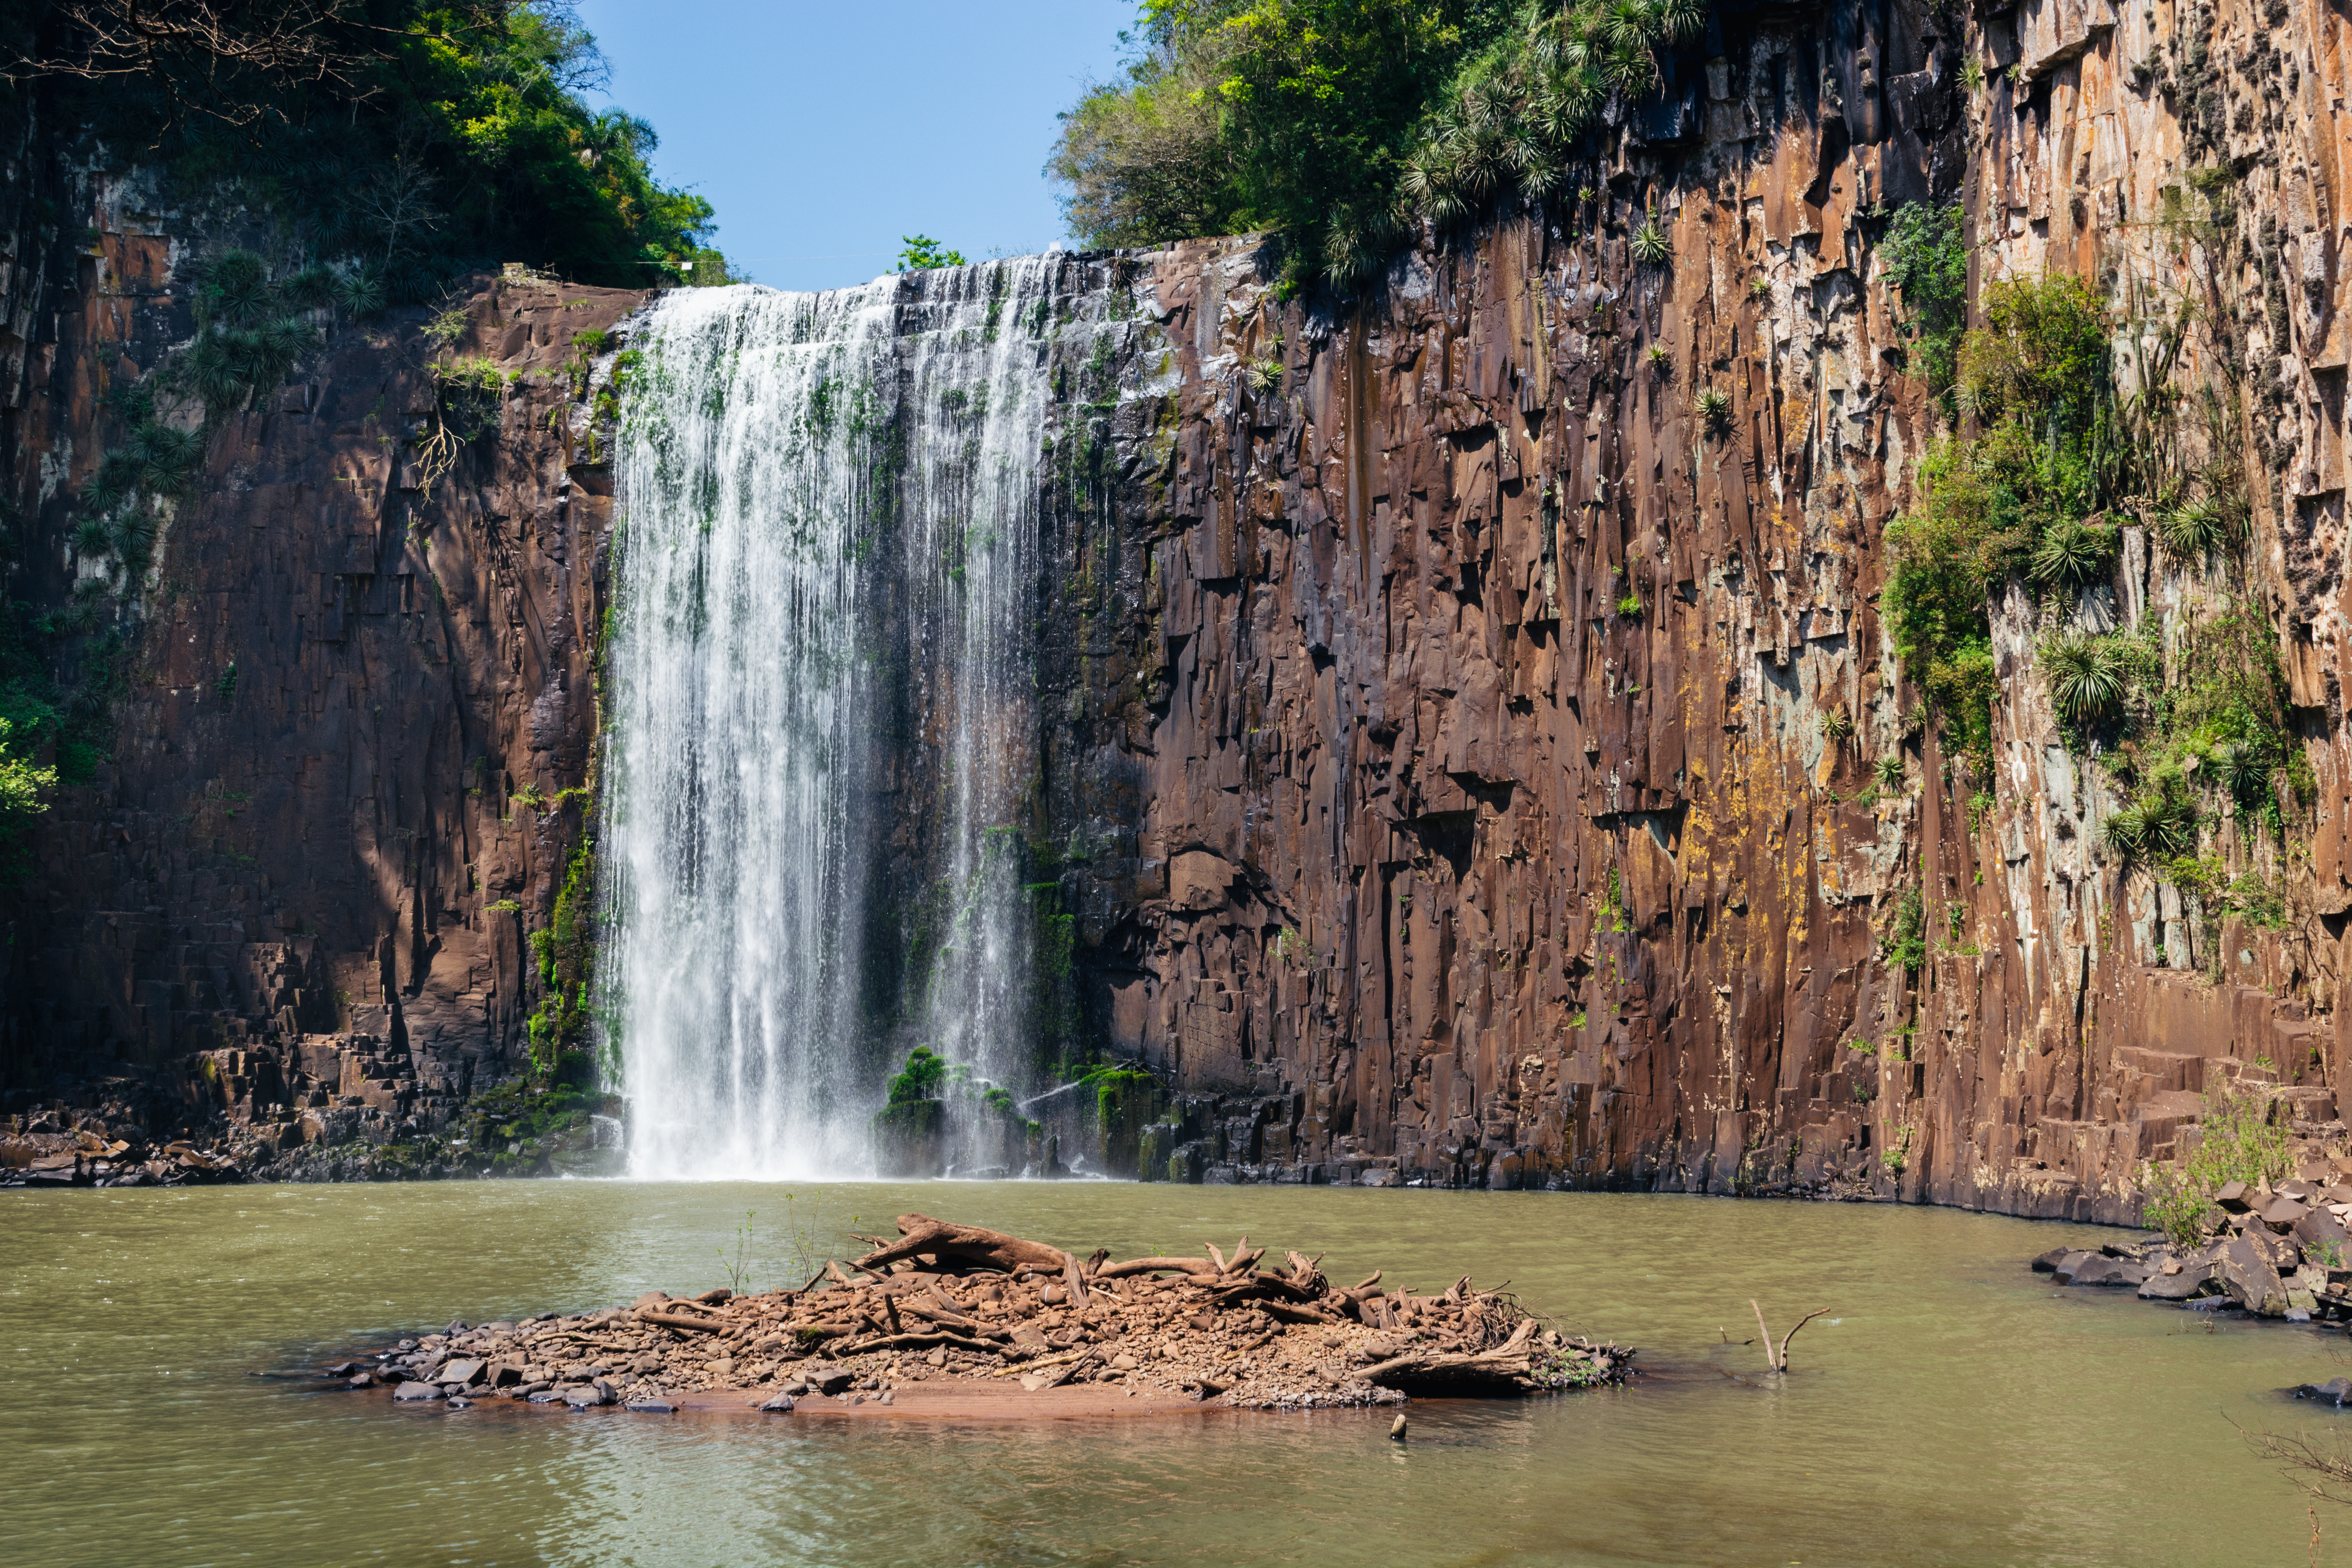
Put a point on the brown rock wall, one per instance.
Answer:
(1510, 730)
(304, 876)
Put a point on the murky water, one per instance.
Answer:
(1953, 1411)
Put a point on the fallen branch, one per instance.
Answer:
(1200, 1265)
(1777, 1359)
(680, 1321)
(991, 1248)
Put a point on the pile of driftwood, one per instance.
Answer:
(948, 1300)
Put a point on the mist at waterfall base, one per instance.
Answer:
(829, 515)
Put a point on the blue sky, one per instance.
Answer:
(823, 132)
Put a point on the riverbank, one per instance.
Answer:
(954, 1316)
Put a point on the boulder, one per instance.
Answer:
(825, 1379)
(652, 1405)
(2281, 1214)
(2322, 1233)
(2098, 1270)
(2335, 1391)
(587, 1398)
(2184, 1282)
(461, 1372)
(2246, 1274)
(417, 1392)
(2049, 1261)
(2067, 1265)
(2234, 1196)
(505, 1375)
(781, 1404)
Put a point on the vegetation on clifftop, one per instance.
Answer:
(407, 139)
(1341, 123)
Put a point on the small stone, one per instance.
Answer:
(653, 1404)
(887, 1399)
(586, 1398)
(781, 1404)
(461, 1404)
(1125, 1363)
(343, 1369)
(545, 1396)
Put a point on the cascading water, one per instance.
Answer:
(827, 575)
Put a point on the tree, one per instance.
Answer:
(921, 252)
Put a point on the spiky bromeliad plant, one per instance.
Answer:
(2073, 552)
(2193, 529)
(2086, 676)
(1713, 410)
(1651, 246)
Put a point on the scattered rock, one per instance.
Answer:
(2100, 1269)
(461, 1372)
(652, 1405)
(2247, 1275)
(781, 1404)
(415, 1393)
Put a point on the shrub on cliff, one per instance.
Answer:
(1340, 122)
(2236, 1141)
(926, 1072)
(1926, 256)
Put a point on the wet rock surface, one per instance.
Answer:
(974, 1307)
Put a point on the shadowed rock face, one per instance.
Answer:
(307, 859)
(1455, 750)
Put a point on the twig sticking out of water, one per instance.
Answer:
(1776, 1358)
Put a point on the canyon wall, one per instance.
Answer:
(1502, 709)
(1461, 726)
(346, 696)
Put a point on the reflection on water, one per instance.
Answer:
(1951, 1411)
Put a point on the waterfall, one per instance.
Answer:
(821, 732)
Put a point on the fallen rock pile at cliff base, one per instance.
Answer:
(948, 1302)
(2276, 1252)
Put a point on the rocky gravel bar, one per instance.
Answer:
(954, 1305)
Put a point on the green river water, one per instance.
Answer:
(1954, 1410)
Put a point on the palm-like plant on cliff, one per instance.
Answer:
(2085, 675)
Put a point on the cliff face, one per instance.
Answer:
(1465, 726)
(1502, 726)
(299, 888)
